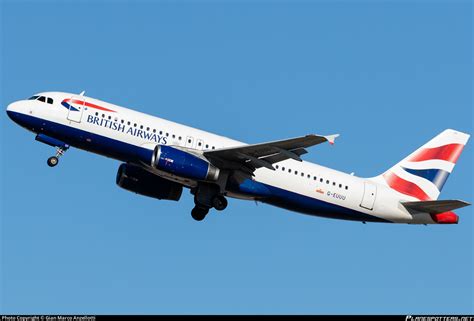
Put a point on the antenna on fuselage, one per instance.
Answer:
(82, 93)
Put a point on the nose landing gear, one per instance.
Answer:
(54, 160)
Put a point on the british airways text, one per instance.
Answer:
(123, 128)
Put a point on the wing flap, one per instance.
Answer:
(250, 157)
(275, 158)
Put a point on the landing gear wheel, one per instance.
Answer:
(53, 161)
(199, 213)
(219, 202)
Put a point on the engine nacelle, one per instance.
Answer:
(136, 179)
(184, 164)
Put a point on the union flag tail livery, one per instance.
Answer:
(424, 172)
(161, 158)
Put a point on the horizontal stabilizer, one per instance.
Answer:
(434, 207)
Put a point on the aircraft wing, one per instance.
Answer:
(248, 158)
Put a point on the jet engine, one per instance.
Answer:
(136, 179)
(184, 164)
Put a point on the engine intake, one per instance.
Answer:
(184, 164)
(136, 179)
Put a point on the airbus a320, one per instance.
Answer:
(160, 158)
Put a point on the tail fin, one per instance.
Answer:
(422, 174)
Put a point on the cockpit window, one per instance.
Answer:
(42, 98)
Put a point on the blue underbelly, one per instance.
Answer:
(299, 203)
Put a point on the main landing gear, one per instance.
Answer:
(199, 213)
(54, 160)
(205, 198)
(219, 202)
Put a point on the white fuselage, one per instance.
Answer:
(122, 125)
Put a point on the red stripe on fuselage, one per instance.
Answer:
(405, 187)
(80, 102)
(448, 153)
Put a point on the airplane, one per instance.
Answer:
(160, 158)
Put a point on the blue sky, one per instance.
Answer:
(387, 76)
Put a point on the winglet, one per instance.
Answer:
(331, 138)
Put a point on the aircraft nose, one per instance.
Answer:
(12, 111)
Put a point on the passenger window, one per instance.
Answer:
(327, 181)
(154, 130)
(141, 126)
(128, 123)
(314, 178)
(347, 187)
(296, 172)
(42, 98)
(148, 129)
(96, 113)
(283, 168)
(174, 136)
(309, 176)
(50, 100)
(321, 180)
(207, 146)
(161, 132)
(276, 166)
(340, 185)
(333, 183)
(110, 117)
(289, 170)
(213, 147)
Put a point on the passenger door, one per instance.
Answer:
(370, 193)
(76, 108)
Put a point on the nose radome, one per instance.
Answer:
(12, 110)
(13, 106)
